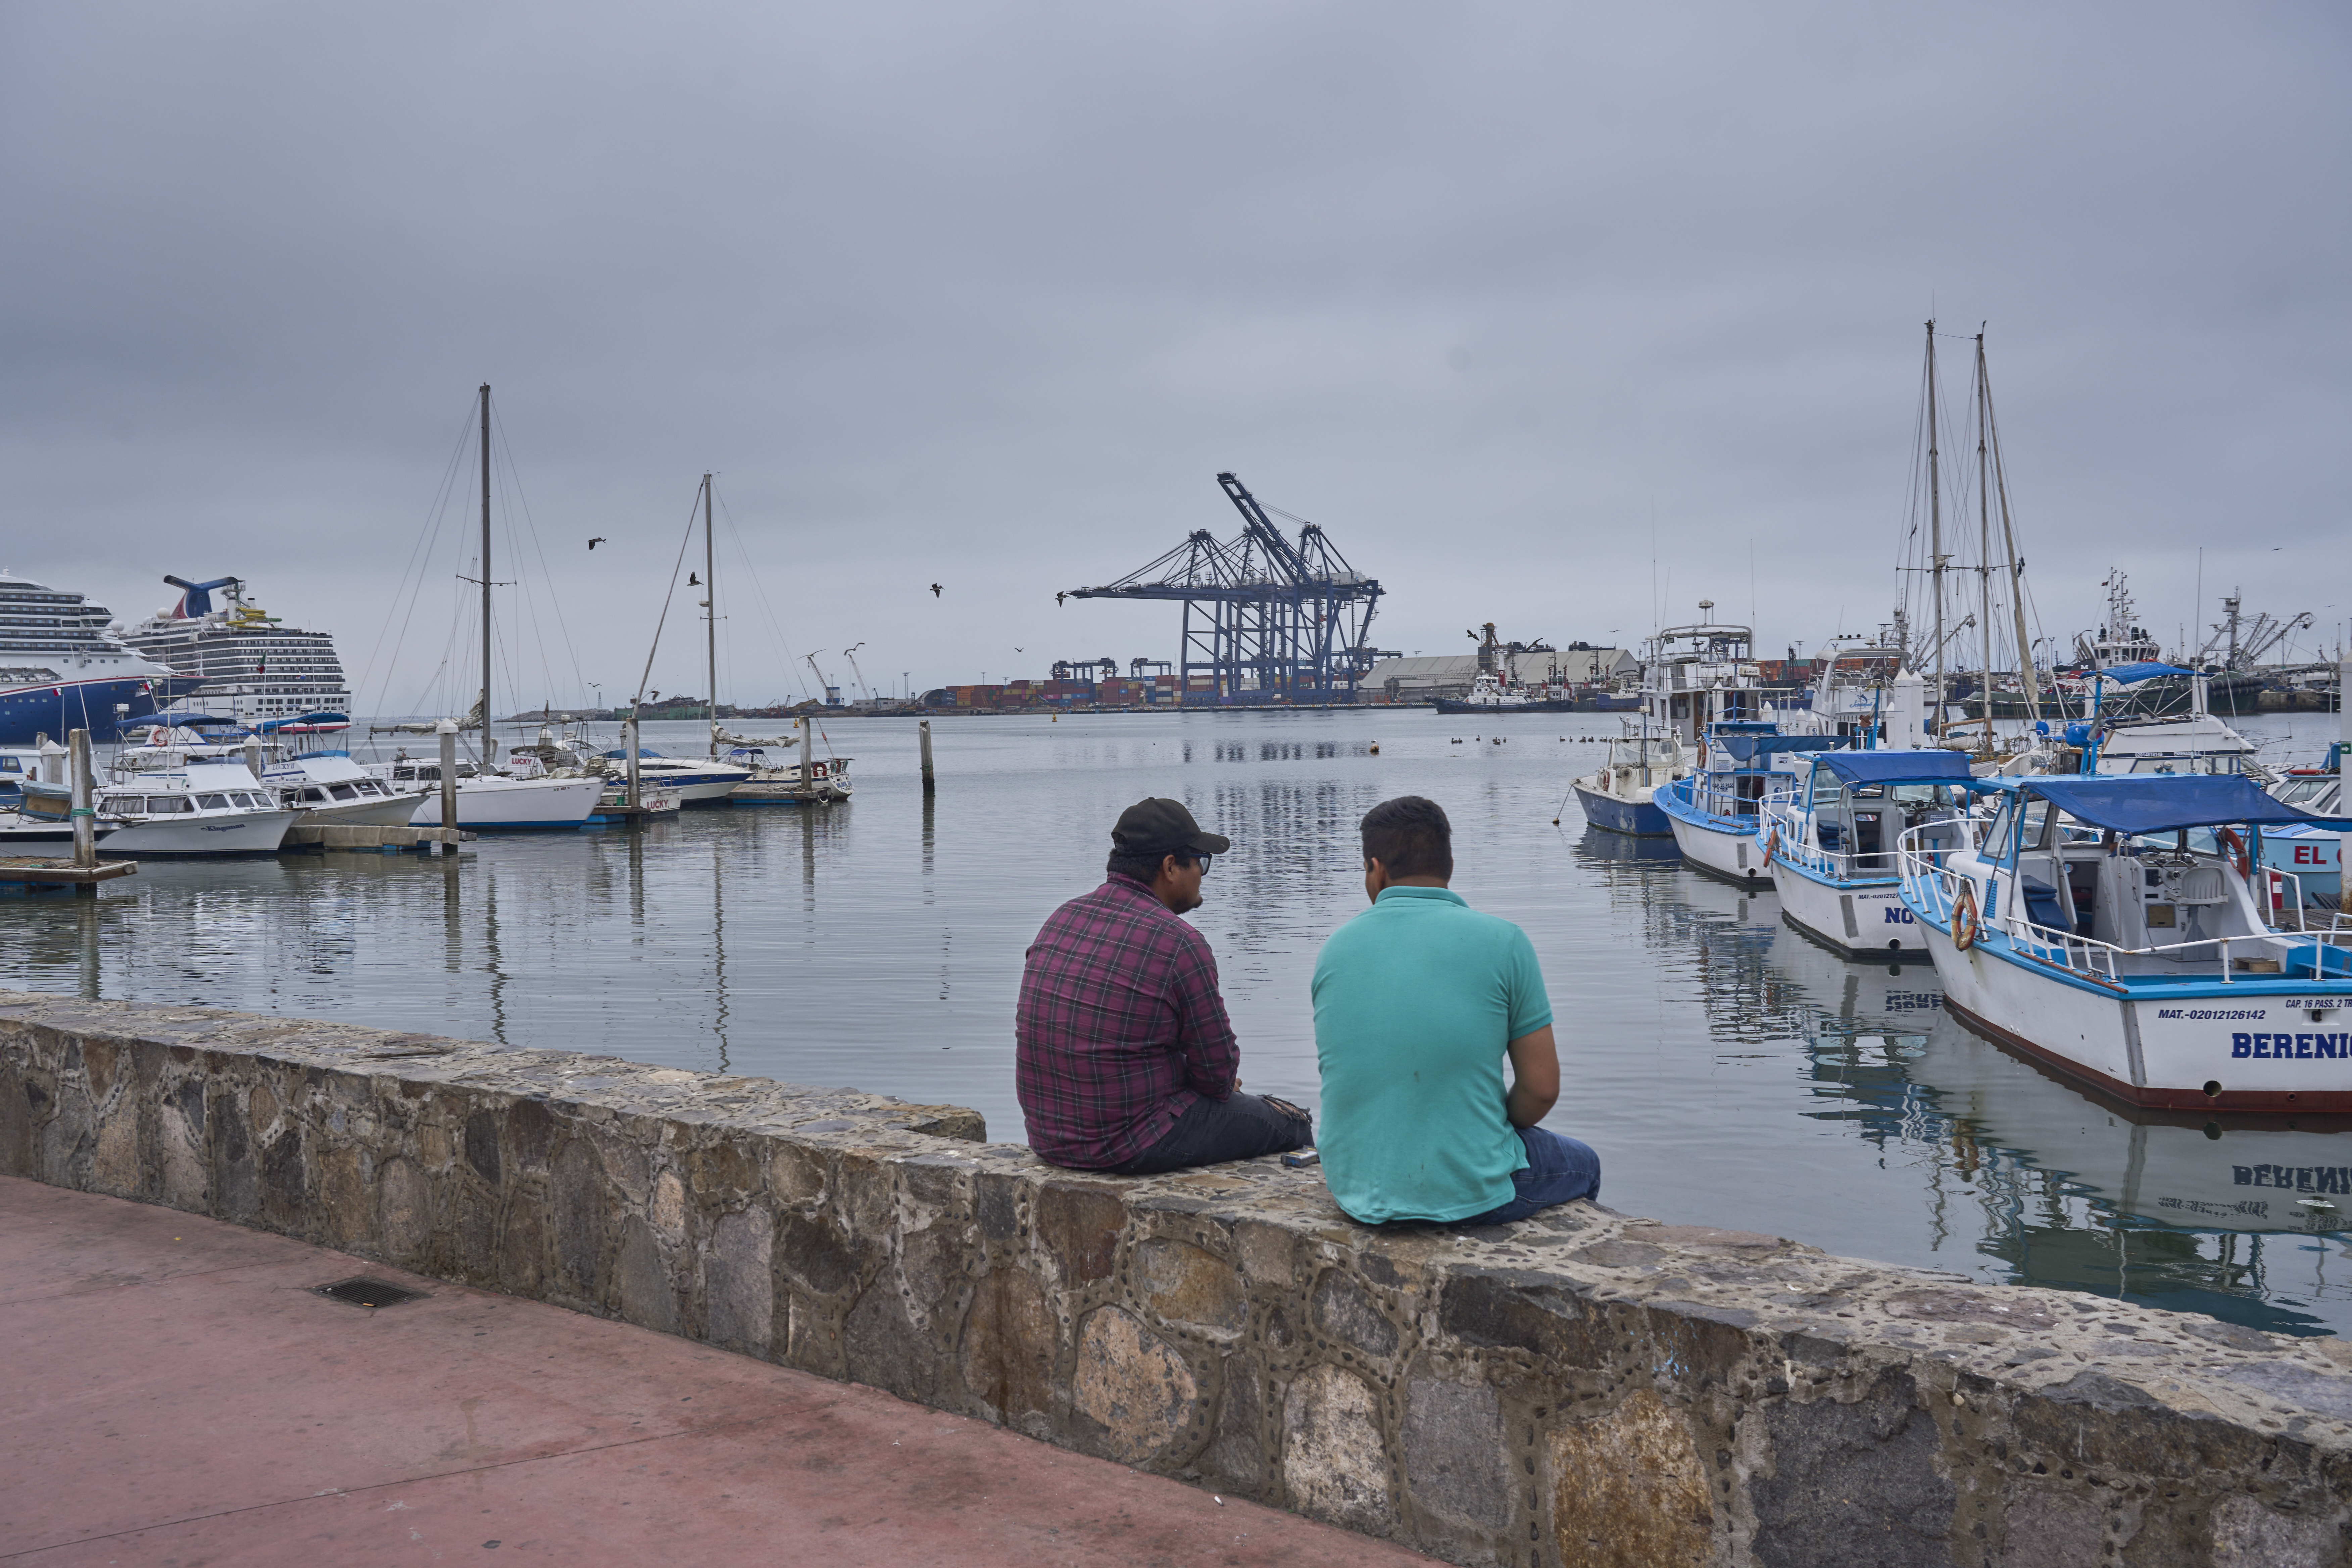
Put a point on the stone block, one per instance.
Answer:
(1190, 1287)
(2247, 1535)
(649, 1295)
(813, 1255)
(404, 1210)
(1345, 1310)
(20, 1107)
(577, 1195)
(114, 1165)
(1236, 1456)
(1455, 1456)
(1078, 1224)
(1628, 1490)
(342, 1197)
(1335, 1462)
(1012, 1341)
(522, 1249)
(883, 1345)
(738, 1282)
(530, 1134)
(2050, 1527)
(286, 1182)
(1521, 1309)
(667, 1209)
(482, 1146)
(1854, 1483)
(1138, 1391)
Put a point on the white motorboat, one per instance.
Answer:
(210, 808)
(488, 803)
(1714, 811)
(706, 782)
(2084, 929)
(1701, 675)
(330, 790)
(1832, 844)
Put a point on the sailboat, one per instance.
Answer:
(710, 781)
(488, 802)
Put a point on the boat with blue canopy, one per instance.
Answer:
(1714, 812)
(2086, 927)
(1831, 844)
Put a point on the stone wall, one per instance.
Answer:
(1584, 1388)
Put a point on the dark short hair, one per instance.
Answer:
(1142, 867)
(1411, 837)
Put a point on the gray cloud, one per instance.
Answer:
(988, 295)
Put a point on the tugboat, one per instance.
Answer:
(2085, 929)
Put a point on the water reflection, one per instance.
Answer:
(1732, 1072)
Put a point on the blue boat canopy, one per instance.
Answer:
(1898, 767)
(304, 721)
(620, 753)
(1748, 745)
(2143, 802)
(2147, 669)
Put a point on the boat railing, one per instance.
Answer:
(1937, 889)
(1783, 814)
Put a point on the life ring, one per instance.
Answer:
(2229, 840)
(1771, 844)
(1965, 924)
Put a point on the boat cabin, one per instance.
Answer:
(2147, 876)
(1851, 808)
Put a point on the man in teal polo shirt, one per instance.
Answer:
(1417, 1002)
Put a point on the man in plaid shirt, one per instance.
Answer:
(1124, 1059)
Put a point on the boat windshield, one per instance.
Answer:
(2308, 793)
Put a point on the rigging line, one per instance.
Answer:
(775, 626)
(685, 540)
(432, 514)
(499, 426)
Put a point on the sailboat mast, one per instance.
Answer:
(710, 612)
(2027, 675)
(1935, 529)
(485, 574)
(1984, 541)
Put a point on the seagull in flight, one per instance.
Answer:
(935, 590)
(1059, 597)
(596, 542)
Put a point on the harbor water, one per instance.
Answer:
(1730, 1071)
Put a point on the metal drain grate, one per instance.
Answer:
(365, 1292)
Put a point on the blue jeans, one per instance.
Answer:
(1559, 1170)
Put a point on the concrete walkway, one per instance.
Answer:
(177, 1394)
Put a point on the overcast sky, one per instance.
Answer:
(986, 295)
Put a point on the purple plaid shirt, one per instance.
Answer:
(1120, 1029)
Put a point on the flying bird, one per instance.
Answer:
(596, 542)
(692, 581)
(1059, 597)
(935, 590)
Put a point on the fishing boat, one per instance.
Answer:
(1701, 675)
(2085, 929)
(1831, 843)
(1621, 794)
(209, 809)
(2315, 857)
(811, 781)
(1714, 810)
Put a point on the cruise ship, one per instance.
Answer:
(61, 669)
(253, 668)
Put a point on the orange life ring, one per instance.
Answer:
(1965, 927)
(1771, 844)
(2229, 840)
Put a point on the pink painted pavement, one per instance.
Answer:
(174, 1393)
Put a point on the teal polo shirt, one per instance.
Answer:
(1416, 1001)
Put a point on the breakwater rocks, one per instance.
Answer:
(1581, 1389)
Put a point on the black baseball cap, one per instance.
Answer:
(1164, 827)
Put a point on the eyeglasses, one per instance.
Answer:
(1204, 860)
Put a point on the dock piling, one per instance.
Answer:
(85, 821)
(930, 784)
(447, 732)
